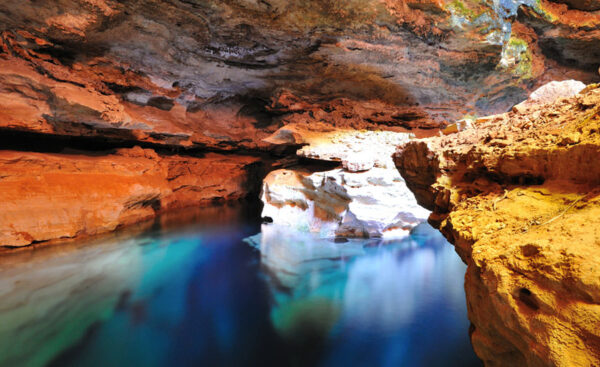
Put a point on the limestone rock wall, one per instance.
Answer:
(518, 196)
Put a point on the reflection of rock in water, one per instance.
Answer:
(49, 298)
(306, 275)
(372, 285)
(301, 259)
(397, 282)
(389, 285)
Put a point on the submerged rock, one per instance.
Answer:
(518, 197)
(62, 291)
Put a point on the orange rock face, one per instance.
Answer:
(518, 195)
(50, 196)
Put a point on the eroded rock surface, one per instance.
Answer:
(518, 195)
(226, 74)
(365, 198)
(49, 196)
(338, 203)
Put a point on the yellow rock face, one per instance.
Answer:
(533, 282)
(519, 197)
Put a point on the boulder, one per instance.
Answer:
(550, 92)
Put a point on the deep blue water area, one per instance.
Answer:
(215, 288)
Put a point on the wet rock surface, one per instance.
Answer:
(518, 197)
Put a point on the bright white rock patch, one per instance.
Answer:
(374, 203)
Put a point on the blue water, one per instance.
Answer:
(214, 293)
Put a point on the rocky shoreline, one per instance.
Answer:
(518, 195)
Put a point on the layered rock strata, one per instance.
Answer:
(226, 74)
(518, 195)
(49, 196)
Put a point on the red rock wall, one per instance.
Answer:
(49, 196)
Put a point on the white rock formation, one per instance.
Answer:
(355, 149)
(552, 91)
(374, 203)
(366, 198)
(358, 162)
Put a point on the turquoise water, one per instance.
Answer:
(214, 293)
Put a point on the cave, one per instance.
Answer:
(299, 183)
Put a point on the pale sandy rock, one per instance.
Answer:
(358, 150)
(550, 92)
(375, 203)
(358, 162)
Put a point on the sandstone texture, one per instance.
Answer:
(240, 76)
(49, 196)
(518, 195)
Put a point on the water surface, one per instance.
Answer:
(214, 293)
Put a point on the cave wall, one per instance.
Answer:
(187, 77)
(518, 196)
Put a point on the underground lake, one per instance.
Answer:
(210, 288)
(352, 183)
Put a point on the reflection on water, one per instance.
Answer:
(47, 303)
(198, 295)
(397, 303)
